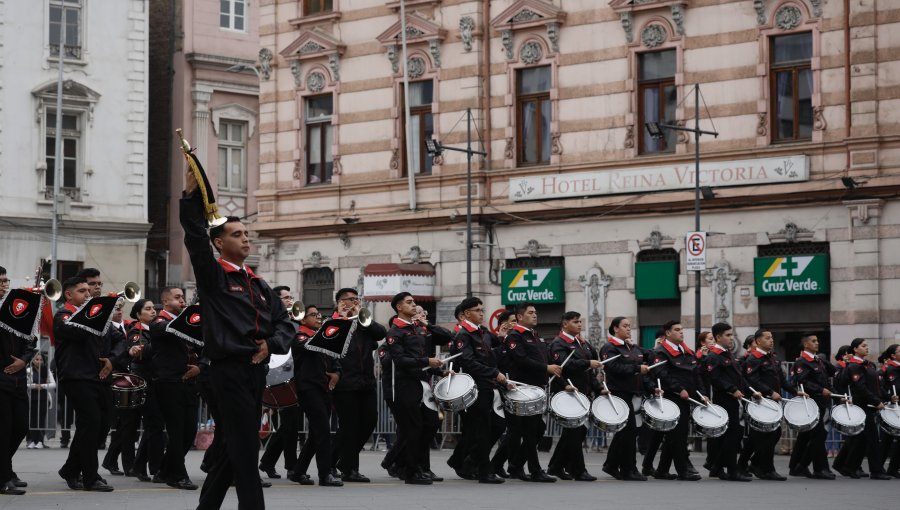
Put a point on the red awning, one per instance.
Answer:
(381, 282)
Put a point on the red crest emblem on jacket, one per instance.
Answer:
(331, 330)
(18, 307)
(194, 319)
(95, 309)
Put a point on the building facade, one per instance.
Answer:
(575, 205)
(206, 74)
(103, 183)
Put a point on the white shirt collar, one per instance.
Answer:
(858, 358)
(403, 320)
(470, 323)
(811, 355)
(674, 346)
(566, 335)
(720, 347)
(235, 266)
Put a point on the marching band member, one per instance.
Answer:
(890, 379)
(529, 364)
(746, 452)
(680, 381)
(127, 421)
(150, 448)
(862, 379)
(839, 381)
(506, 320)
(728, 386)
(624, 380)
(567, 461)
(812, 373)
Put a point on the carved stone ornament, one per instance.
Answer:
(791, 233)
(265, 63)
(817, 7)
(437, 160)
(760, 7)
(656, 241)
(395, 159)
(298, 170)
(337, 168)
(531, 53)
(555, 145)
(819, 122)
(344, 237)
(310, 47)
(595, 284)
(434, 47)
(415, 67)
(627, 26)
(553, 36)
(788, 17)
(762, 126)
(653, 35)
(682, 136)
(466, 28)
(415, 255)
(412, 32)
(678, 18)
(629, 137)
(721, 280)
(315, 259)
(508, 151)
(393, 58)
(507, 41)
(533, 248)
(525, 15)
(315, 81)
(295, 72)
(334, 63)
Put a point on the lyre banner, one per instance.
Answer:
(333, 338)
(187, 326)
(19, 312)
(206, 191)
(94, 316)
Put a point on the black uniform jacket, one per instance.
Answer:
(813, 373)
(763, 372)
(578, 369)
(477, 358)
(310, 367)
(238, 308)
(679, 373)
(13, 346)
(528, 356)
(890, 379)
(171, 355)
(623, 374)
(862, 378)
(358, 366)
(78, 352)
(408, 345)
(723, 373)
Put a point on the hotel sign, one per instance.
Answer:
(661, 178)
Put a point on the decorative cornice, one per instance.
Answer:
(524, 14)
(313, 44)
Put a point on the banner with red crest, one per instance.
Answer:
(19, 313)
(333, 338)
(95, 315)
(187, 326)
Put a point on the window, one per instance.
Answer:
(318, 139)
(70, 11)
(232, 14)
(318, 289)
(657, 98)
(71, 138)
(233, 156)
(533, 115)
(420, 118)
(792, 88)
(317, 6)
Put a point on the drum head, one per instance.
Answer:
(276, 360)
(609, 411)
(453, 387)
(769, 412)
(281, 369)
(127, 381)
(848, 415)
(796, 411)
(525, 393)
(891, 415)
(569, 404)
(661, 409)
(711, 417)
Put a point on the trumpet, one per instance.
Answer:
(51, 289)
(131, 293)
(364, 317)
(297, 311)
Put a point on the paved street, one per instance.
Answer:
(47, 491)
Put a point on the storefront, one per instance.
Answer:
(537, 280)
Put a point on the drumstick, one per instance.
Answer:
(764, 398)
(561, 366)
(714, 410)
(697, 403)
(607, 360)
(576, 394)
(836, 395)
(747, 400)
(445, 360)
(651, 367)
(805, 401)
(658, 386)
(609, 396)
(450, 376)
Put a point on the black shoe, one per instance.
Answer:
(335, 472)
(98, 486)
(18, 482)
(718, 473)
(491, 478)
(185, 484)
(265, 484)
(848, 473)
(430, 474)
(774, 476)
(394, 472)
(354, 476)
(862, 474)
(140, 476)
(330, 481)
(634, 476)
(584, 476)
(73, 482)
(518, 473)
(800, 471)
(270, 471)
(691, 471)
(743, 473)
(659, 475)
(559, 473)
(418, 478)
(10, 489)
(647, 471)
(157, 479)
(879, 476)
(542, 477)
(823, 475)
(113, 470)
(302, 479)
(736, 477)
(613, 472)
(501, 472)
(893, 472)
(689, 476)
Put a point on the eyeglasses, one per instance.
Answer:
(4, 281)
(316, 315)
(350, 299)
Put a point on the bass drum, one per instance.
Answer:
(280, 391)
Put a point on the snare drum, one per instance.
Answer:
(280, 391)
(570, 409)
(525, 400)
(660, 414)
(801, 414)
(609, 413)
(710, 421)
(764, 416)
(849, 420)
(428, 397)
(889, 419)
(129, 391)
(498, 404)
(456, 392)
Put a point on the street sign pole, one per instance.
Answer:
(696, 261)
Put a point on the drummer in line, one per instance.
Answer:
(890, 379)
(862, 377)
(812, 373)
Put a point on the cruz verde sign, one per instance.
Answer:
(536, 285)
(798, 275)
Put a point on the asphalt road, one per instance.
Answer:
(47, 491)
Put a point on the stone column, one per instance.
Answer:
(595, 284)
(721, 280)
(201, 127)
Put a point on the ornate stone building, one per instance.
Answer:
(575, 204)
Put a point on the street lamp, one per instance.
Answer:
(656, 130)
(435, 148)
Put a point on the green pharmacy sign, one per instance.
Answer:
(798, 275)
(535, 285)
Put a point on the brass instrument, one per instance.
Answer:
(131, 293)
(297, 311)
(206, 191)
(51, 289)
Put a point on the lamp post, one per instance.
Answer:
(434, 148)
(656, 130)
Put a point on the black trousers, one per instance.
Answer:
(13, 426)
(723, 450)
(655, 440)
(179, 404)
(317, 408)
(810, 447)
(622, 452)
(524, 434)
(475, 443)
(153, 440)
(866, 445)
(764, 449)
(357, 413)
(284, 440)
(237, 386)
(123, 438)
(410, 415)
(498, 437)
(91, 402)
(675, 447)
(214, 451)
(890, 446)
(568, 453)
(65, 414)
